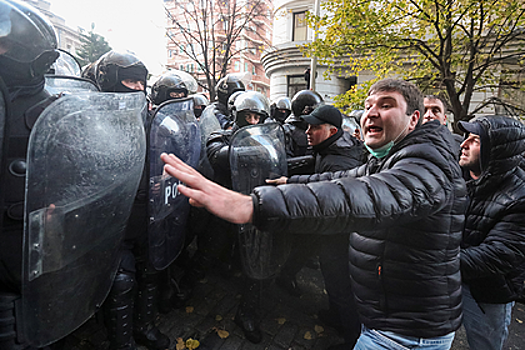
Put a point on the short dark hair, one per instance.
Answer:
(446, 106)
(411, 93)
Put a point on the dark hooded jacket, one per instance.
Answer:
(408, 211)
(493, 246)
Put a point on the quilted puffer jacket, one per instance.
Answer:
(408, 211)
(493, 246)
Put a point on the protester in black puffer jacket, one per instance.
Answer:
(407, 209)
(407, 205)
(493, 246)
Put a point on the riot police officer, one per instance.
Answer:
(130, 308)
(200, 102)
(250, 108)
(174, 84)
(280, 109)
(27, 50)
(224, 89)
(303, 103)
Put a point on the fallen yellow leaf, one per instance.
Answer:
(223, 334)
(281, 320)
(192, 344)
(318, 329)
(189, 309)
(218, 318)
(519, 321)
(180, 344)
(308, 336)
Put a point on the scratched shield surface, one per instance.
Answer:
(173, 129)
(85, 158)
(257, 153)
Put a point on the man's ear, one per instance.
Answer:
(414, 119)
(333, 130)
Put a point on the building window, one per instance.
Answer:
(181, 67)
(181, 49)
(253, 70)
(246, 66)
(299, 26)
(237, 65)
(295, 84)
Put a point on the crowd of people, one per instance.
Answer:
(417, 230)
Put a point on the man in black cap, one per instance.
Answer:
(334, 150)
(493, 244)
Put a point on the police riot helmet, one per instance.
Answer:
(228, 85)
(28, 44)
(89, 72)
(251, 101)
(231, 101)
(174, 81)
(200, 102)
(114, 67)
(281, 108)
(305, 102)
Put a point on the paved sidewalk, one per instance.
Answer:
(287, 322)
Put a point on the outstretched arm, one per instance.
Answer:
(226, 204)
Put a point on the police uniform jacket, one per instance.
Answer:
(493, 246)
(408, 211)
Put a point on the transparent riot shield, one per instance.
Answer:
(257, 153)
(86, 155)
(66, 64)
(208, 123)
(174, 130)
(56, 84)
(350, 125)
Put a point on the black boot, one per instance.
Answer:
(8, 331)
(118, 312)
(144, 330)
(247, 317)
(166, 291)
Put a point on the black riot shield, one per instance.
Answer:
(56, 84)
(258, 153)
(174, 130)
(208, 123)
(86, 155)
